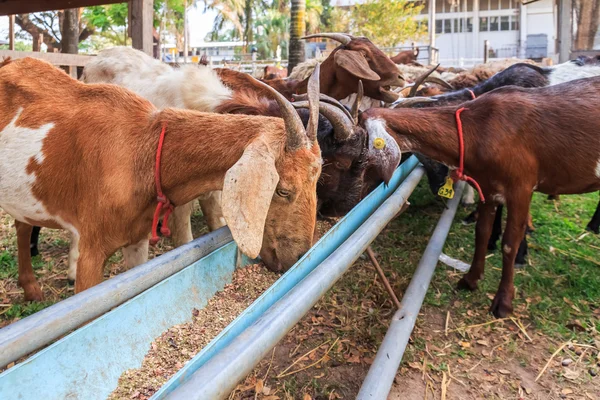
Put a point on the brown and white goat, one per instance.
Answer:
(527, 134)
(82, 156)
(406, 56)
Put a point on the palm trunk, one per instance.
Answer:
(297, 30)
(248, 29)
(70, 31)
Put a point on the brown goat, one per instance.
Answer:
(406, 56)
(528, 133)
(356, 59)
(81, 157)
(274, 72)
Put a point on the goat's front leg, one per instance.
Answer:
(211, 209)
(180, 224)
(32, 289)
(594, 224)
(516, 223)
(90, 264)
(483, 230)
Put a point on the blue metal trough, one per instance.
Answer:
(129, 311)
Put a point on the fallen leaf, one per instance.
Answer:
(271, 397)
(415, 365)
(566, 391)
(258, 388)
(571, 374)
(266, 390)
(465, 345)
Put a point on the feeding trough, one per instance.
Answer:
(87, 363)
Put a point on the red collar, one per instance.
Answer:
(163, 202)
(458, 174)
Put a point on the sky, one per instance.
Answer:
(200, 24)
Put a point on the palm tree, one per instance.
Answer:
(297, 30)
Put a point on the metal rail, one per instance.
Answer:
(29, 334)
(378, 382)
(219, 376)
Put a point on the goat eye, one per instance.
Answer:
(283, 193)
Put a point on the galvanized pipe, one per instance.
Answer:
(378, 382)
(219, 376)
(29, 334)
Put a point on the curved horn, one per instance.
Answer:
(313, 105)
(338, 37)
(420, 80)
(357, 102)
(325, 99)
(343, 127)
(439, 81)
(408, 102)
(296, 135)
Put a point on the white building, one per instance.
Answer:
(514, 28)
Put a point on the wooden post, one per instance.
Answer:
(186, 38)
(39, 41)
(564, 30)
(11, 32)
(486, 50)
(142, 14)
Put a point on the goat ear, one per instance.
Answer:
(355, 63)
(247, 192)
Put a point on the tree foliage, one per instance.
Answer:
(386, 22)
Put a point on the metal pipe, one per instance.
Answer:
(29, 334)
(219, 376)
(378, 382)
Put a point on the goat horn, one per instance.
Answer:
(313, 105)
(439, 81)
(357, 102)
(407, 102)
(342, 125)
(296, 135)
(420, 80)
(325, 99)
(339, 37)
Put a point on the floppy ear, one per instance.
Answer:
(355, 63)
(247, 193)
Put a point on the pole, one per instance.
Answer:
(11, 32)
(185, 33)
(380, 378)
(431, 27)
(486, 50)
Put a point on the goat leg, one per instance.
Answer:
(521, 260)
(496, 229)
(594, 224)
(90, 264)
(33, 244)
(483, 230)
(27, 281)
(516, 223)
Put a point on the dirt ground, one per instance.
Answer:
(457, 350)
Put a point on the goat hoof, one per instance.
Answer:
(464, 284)
(593, 228)
(502, 305)
(33, 292)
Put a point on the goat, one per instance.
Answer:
(82, 156)
(357, 58)
(348, 152)
(274, 72)
(523, 75)
(540, 125)
(406, 57)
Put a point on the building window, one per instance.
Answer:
(447, 26)
(439, 25)
(514, 23)
(456, 29)
(469, 25)
(483, 24)
(504, 23)
(505, 5)
(494, 4)
(469, 5)
(484, 5)
(494, 24)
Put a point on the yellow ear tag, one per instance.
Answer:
(379, 143)
(447, 190)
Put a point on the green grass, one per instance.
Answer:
(561, 284)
